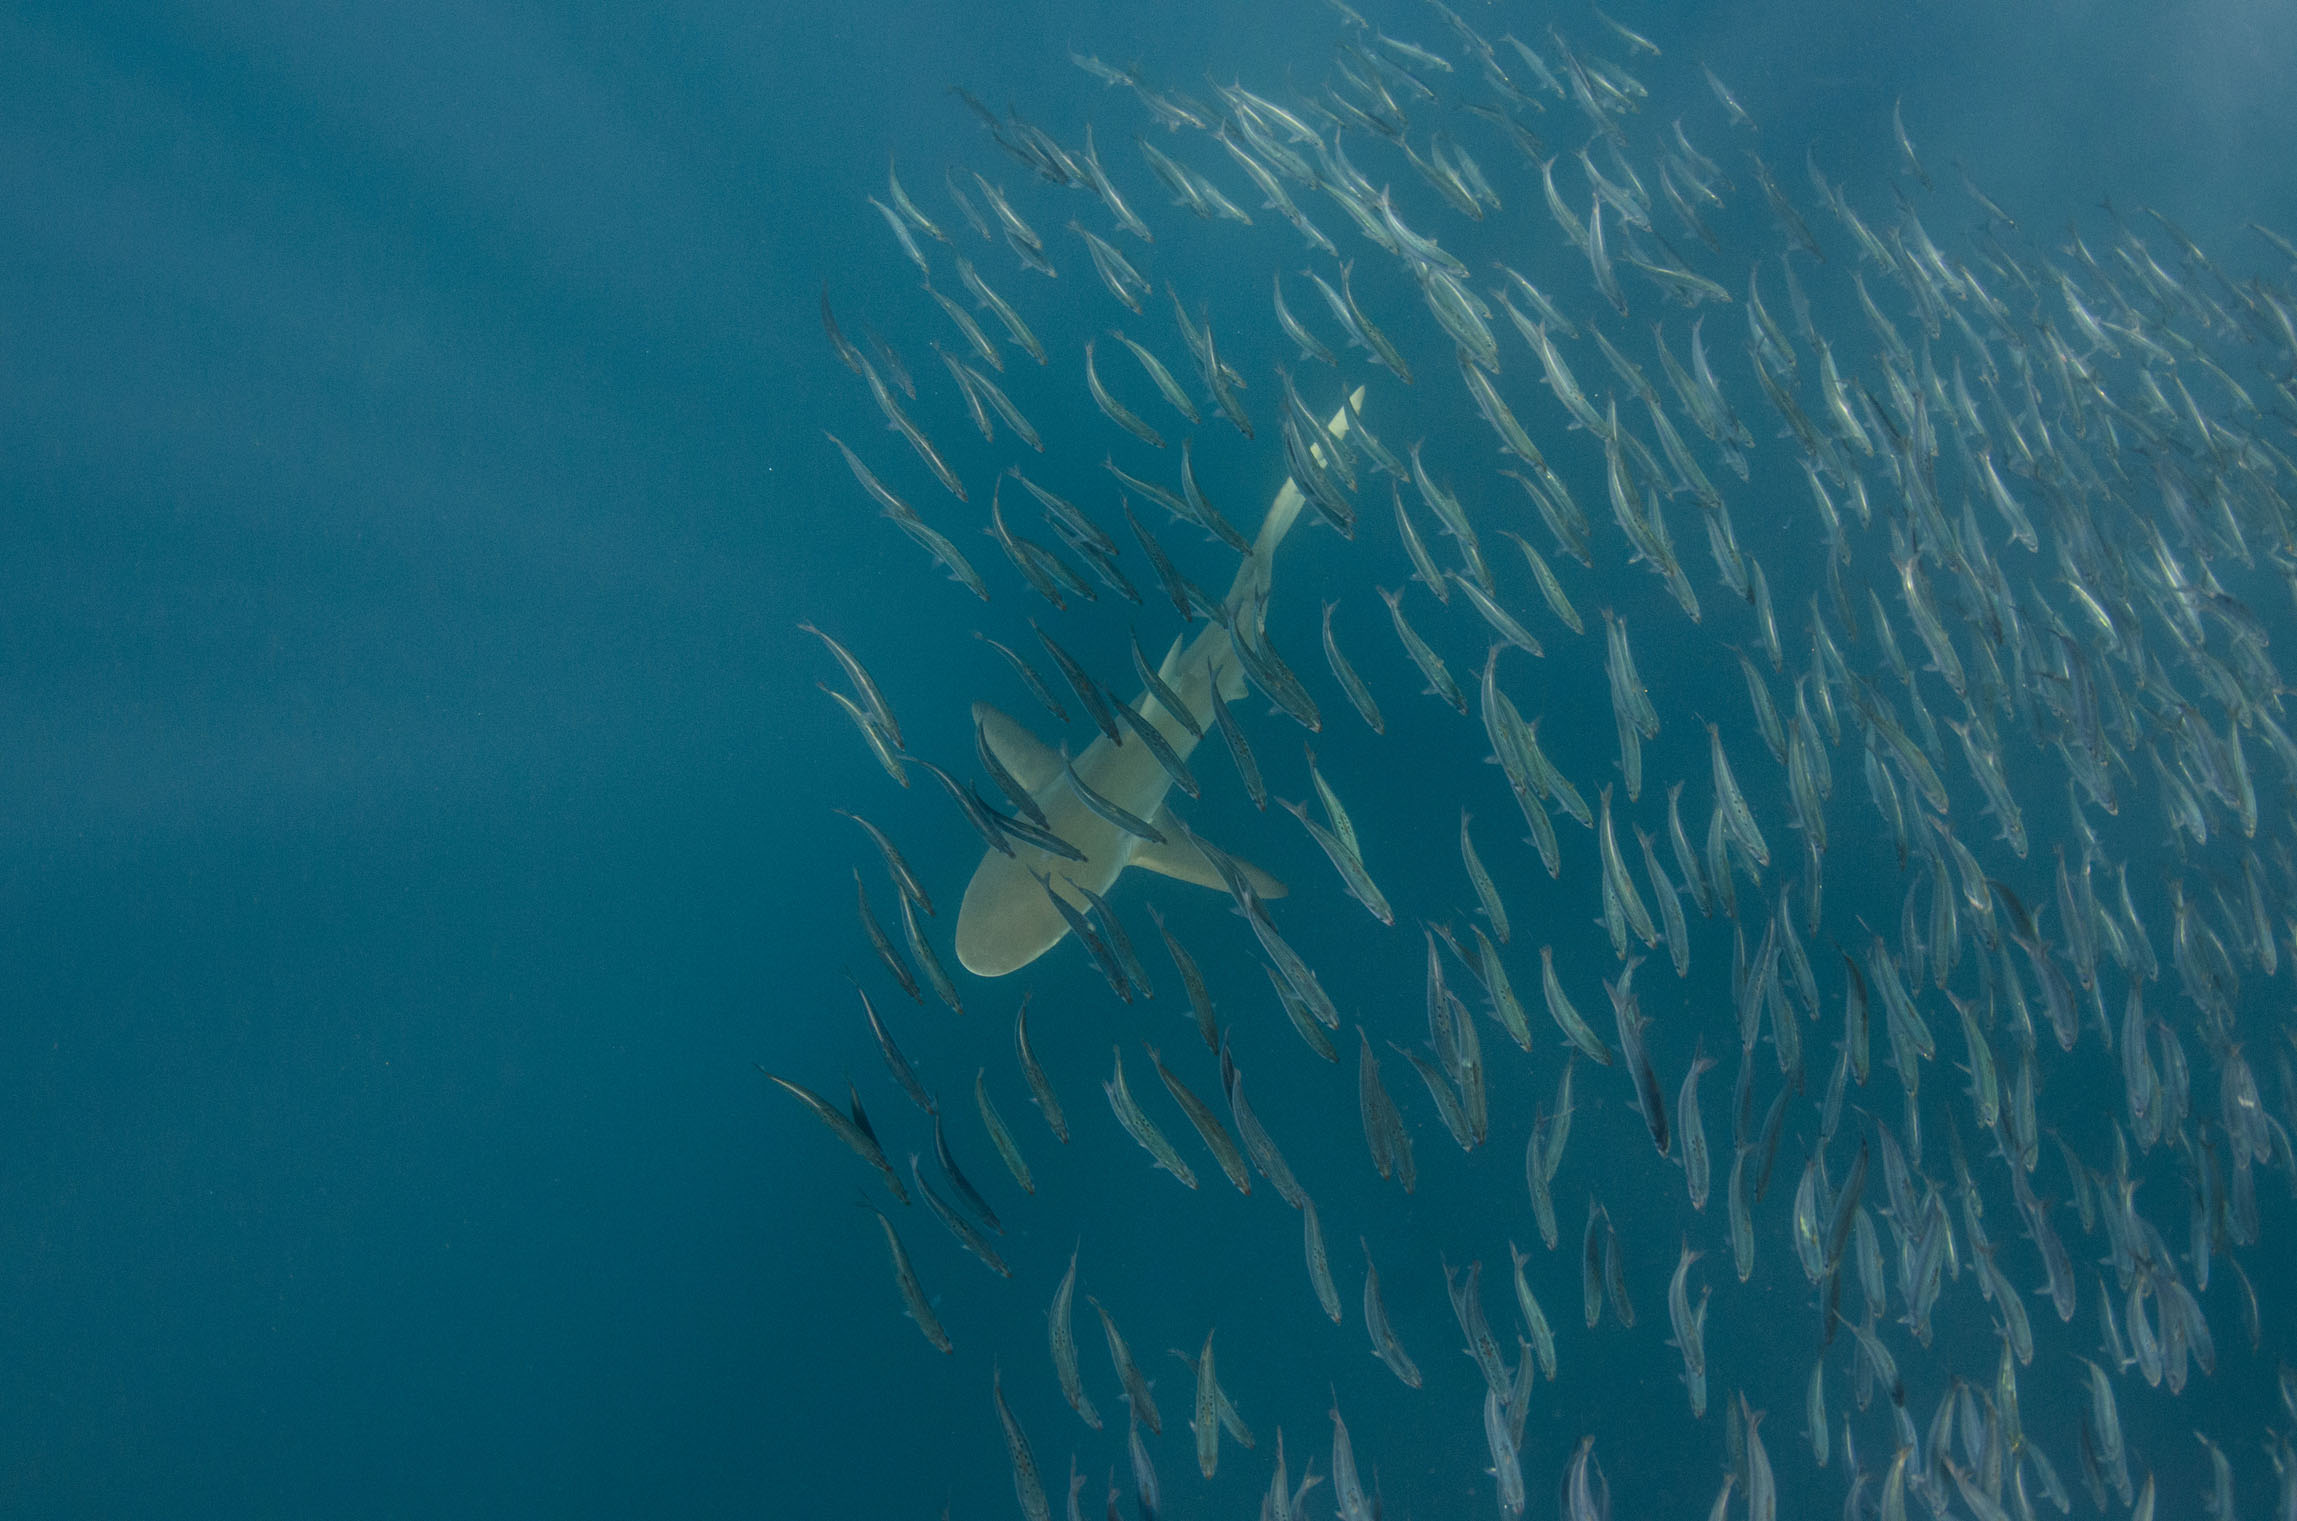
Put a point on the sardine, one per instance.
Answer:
(855, 1131)
(1385, 1344)
(1115, 410)
(1026, 1486)
(1440, 682)
(1137, 1393)
(1566, 1015)
(1142, 1129)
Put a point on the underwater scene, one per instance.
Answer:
(1312, 760)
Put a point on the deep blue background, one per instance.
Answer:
(413, 806)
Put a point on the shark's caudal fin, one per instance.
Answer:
(1170, 665)
(1251, 583)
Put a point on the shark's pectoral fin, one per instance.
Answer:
(1178, 859)
(1032, 762)
(1183, 862)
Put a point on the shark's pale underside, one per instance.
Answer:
(1007, 920)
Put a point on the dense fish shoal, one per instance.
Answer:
(1769, 687)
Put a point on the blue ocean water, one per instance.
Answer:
(419, 809)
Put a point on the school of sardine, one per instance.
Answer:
(2030, 496)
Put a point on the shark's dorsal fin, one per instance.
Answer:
(1183, 862)
(1031, 761)
(1171, 666)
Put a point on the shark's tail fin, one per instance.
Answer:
(1251, 584)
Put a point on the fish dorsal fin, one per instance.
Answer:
(1171, 665)
(1183, 862)
(1031, 761)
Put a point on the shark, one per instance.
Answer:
(1008, 918)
